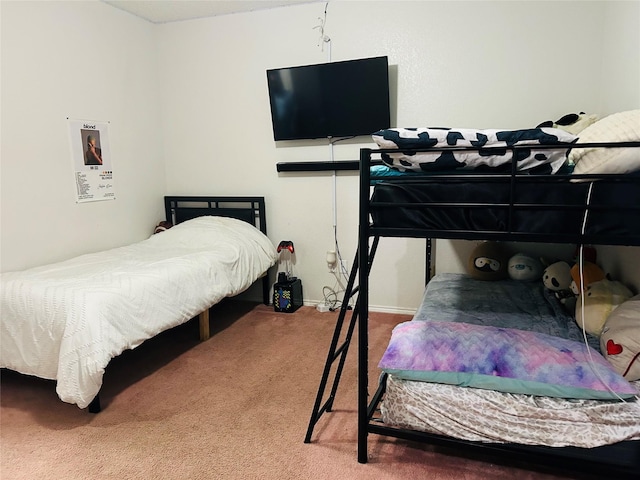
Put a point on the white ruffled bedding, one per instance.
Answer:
(67, 320)
(488, 416)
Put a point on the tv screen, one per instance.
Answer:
(337, 99)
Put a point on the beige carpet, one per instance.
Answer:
(234, 407)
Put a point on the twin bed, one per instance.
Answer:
(451, 376)
(67, 320)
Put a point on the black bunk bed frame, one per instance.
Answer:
(620, 460)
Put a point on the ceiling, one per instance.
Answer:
(163, 11)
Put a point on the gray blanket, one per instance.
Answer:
(454, 297)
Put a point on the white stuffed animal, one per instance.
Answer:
(524, 268)
(600, 299)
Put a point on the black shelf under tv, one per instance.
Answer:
(318, 166)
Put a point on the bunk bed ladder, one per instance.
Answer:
(338, 352)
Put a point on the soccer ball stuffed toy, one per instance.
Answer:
(488, 261)
(524, 268)
(557, 278)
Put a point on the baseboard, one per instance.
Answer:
(372, 308)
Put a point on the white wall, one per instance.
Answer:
(191, 98)
(621, 56)
(83, 60)
(621, 87)
(475, 64)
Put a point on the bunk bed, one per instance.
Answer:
(503, 204)
(66, 321)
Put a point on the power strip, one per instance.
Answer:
(321, 307)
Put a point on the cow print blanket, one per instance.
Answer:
(491, 152)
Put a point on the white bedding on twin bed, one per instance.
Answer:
(67, 320)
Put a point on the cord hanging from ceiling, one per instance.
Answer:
(330, 293)
(323, 38)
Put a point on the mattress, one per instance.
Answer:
(511, 415)
(67, 320)
(495, 417)
(553, 206)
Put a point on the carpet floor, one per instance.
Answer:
(236, 406)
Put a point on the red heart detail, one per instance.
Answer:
(613, 348)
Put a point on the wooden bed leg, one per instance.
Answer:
(266, 288)
(204, 325)
(94, 406)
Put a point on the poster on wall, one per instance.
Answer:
(93, 170)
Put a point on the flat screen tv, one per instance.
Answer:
(336, 99)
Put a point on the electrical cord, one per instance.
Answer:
(323, 21)
(331, 298)
(344, 272)
(341, 139)
(331, 294)
(582, 303)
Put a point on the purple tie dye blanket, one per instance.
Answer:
(502, 359)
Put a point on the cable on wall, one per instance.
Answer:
(582, 295)
(324, 38)
(330, 294)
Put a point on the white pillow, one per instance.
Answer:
(618, 127)
(620, 340)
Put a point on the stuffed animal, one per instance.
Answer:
(620, 339)
(162, 226)
(572, 122)
(557, 278)
(488, 261)
(600, 299)
(590, 273)
(588, 252)
(524, 268)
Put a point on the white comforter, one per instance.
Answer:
(67, 320)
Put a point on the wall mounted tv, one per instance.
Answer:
(336, 99)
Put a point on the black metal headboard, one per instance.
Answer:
(248, 209)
